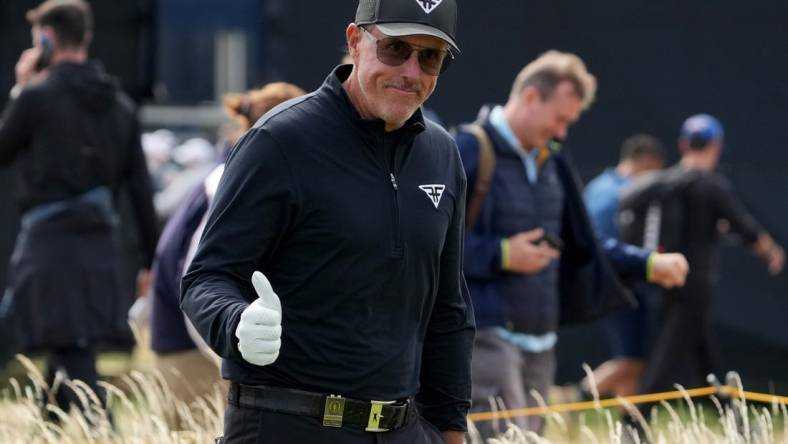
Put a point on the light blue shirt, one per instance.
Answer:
(498, 121)
(528, 343)
(601, 197)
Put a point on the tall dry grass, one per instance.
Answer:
(144, 411)
(726, 426)
(730, 421)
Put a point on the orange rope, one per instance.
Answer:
(637, 399)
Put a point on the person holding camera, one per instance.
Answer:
(73, 137)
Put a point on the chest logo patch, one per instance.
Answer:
(428, 5)
(434, 192)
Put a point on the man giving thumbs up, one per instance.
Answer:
(353, 205)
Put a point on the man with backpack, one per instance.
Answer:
(681, 209)
(532, 260)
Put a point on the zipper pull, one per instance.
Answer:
(394, 181)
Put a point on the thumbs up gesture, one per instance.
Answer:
(259, 331)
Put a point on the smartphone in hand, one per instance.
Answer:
(46, 53)
(552, 240)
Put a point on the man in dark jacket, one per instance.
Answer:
(521, 291)
(75, 141)
(352, 205)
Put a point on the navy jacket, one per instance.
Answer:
(589, 284)
(168, 329)
(360, 233)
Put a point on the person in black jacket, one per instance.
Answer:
(74, 139)
(350, 205)
(684, 208)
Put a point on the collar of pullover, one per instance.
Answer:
(372, 131)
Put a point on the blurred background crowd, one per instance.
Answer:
(657, 63)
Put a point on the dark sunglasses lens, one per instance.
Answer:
(433, 61)
(393, 52)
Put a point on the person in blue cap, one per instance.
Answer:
(680, 209)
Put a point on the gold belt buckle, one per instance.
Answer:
(375, 410)
(333, 411)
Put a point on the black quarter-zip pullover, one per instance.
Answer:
(360, 233)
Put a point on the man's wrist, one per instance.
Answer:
(764, 245)
(650, 266)
(775, 250)
(505, 259)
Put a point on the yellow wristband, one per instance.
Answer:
(505, 254)
(650, 267)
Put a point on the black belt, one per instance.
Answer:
(335, 411)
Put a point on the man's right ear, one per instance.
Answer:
(353, 35)
(530, 95)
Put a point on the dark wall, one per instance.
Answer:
(14, 37)
(123, 41)
(657, 63)
(186, 33)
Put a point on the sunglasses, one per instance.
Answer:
(394, 52)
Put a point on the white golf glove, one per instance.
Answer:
(260, 328)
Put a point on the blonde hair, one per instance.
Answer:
(552, 68)
(245, 109)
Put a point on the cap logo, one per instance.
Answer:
(428, 5)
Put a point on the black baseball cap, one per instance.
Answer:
(397, 18)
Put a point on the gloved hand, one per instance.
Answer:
(260, 328)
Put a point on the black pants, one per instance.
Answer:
(251, 426)
(684, 352)
(77, 363)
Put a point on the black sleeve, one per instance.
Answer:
(141, 195)
(253, 207)
(731, 209)
(445, 392)
(15, 128)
